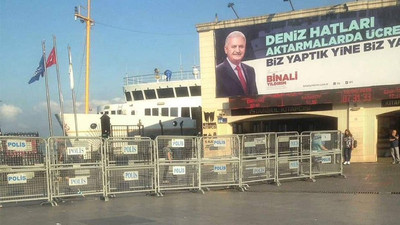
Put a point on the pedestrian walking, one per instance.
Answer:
(394, 146)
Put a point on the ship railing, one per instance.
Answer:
(151, 78)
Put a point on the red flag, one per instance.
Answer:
(52, 58)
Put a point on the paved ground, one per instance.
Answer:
(369, 195)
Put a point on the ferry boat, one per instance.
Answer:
(154, 105)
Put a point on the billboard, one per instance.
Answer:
(336, 51)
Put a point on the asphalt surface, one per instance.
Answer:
(370, 194)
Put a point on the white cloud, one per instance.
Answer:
(9, 112)
(42, 107)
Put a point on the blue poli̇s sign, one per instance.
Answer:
(17, 178)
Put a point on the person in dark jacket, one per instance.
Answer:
(394, 146)
(348, 141)
(234, 78)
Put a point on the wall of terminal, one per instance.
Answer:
(217, 116)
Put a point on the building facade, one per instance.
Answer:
(328, 68)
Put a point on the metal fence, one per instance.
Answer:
(257, 158)
(291, 163)
(76, 166)
(32, 168)
(326, 153)
(129, 166)
(23, 169)
(177, 160)
(220, 162)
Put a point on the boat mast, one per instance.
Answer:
(89, 23)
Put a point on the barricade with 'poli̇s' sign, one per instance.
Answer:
(291, 163)
(129, 165)
(23, 169)
(220, 162)
(177, 160)
(257, 158)
(76, 167)
(326, 153)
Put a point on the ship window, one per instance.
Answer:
(196, 112)
(174, 112)
(181, 92)
(106, 112)
(133, 112)
(195, 90)
(164, 112)
(147, 112)
(113, 112)
(119, 112)
(185, 112)
(154, 111)
(128, 96)
(165, 93)
(107, 107)
(150, 94)
(137, 95)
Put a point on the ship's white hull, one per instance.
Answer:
(89, 125)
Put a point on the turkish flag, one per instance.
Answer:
(52, 58)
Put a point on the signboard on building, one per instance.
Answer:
(326, 55)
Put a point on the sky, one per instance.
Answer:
(129, 37)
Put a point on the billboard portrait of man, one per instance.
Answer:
(234, 78)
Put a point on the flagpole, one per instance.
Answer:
(71, 78)
(47, 90)
(60, 96)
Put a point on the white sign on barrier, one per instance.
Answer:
(259, 141)
(178, 170)
(131, 175)
(220, 168)
(326, 159)
(77, 181)
(178, 143)
(293, 164)
(17, 145)
(249, 144)
(219, 143)
(130, 149)
(17, 178)
(294, 143)
(258, 170)
(325, 137)
(76, 150)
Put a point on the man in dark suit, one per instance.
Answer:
(235, 78)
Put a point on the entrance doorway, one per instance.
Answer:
(386, 123)
(284, 123)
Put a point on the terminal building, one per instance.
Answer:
(329, 68)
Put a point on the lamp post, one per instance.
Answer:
(291, 5)
(230, 5)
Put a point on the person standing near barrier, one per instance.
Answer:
(168, 156)
(394, 146)
(348, 141)
(317, 144)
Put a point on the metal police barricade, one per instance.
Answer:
(258, 162)
(291, 164)
(23, 169)
(177, 163)
(326, 153)
(305, 142)
(129, 165)
(76, 167)
(220, 162)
